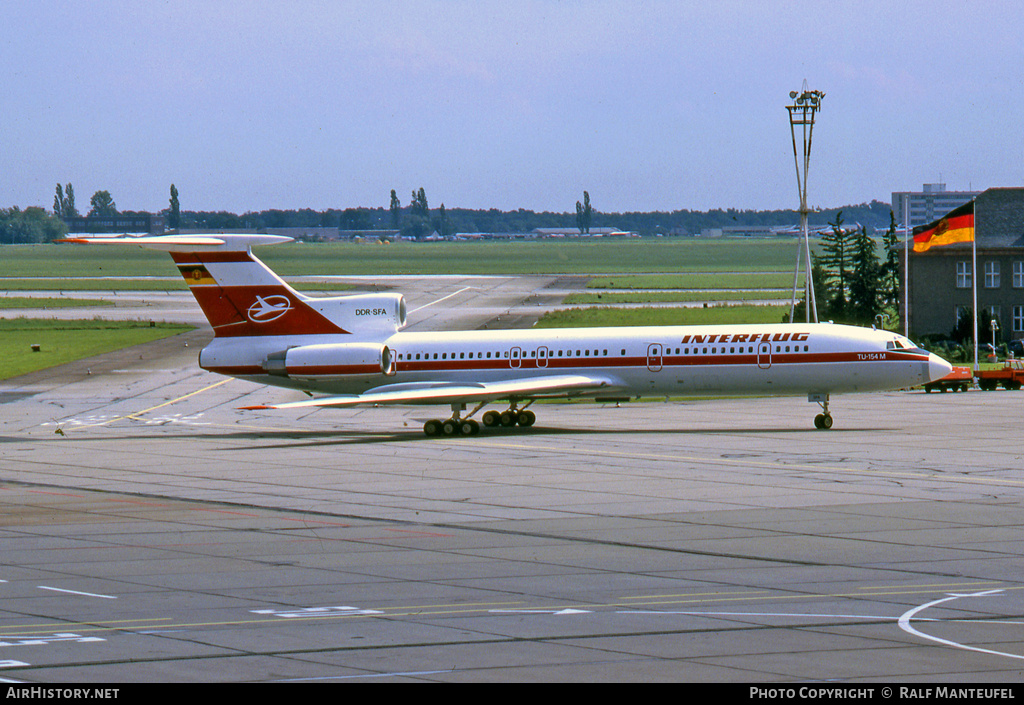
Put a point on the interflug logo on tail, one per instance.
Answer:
(268, 308)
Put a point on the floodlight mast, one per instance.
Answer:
(802, 112)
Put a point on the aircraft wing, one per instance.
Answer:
(453, 392)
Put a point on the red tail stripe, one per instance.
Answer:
(212, 257)
(230, 310)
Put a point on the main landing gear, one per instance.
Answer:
(822, 421)
(455, 426)
(512, 417)
(452, 427)
(458, 425)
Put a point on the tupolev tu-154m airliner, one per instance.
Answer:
(352, 349)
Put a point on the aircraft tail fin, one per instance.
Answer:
(241, 296)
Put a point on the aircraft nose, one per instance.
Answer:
(937, 367)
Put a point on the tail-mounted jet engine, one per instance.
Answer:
(331, 360)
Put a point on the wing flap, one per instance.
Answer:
(448, 393)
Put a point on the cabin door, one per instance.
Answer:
(654, 357)
(764, 355)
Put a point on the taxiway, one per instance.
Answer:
(152, 531)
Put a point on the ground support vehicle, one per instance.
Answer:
(959, 380)
(1011, 376)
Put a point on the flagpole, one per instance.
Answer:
(951, 229)
(974, 281)
(906, 265)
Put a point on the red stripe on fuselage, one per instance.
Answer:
(574, 364)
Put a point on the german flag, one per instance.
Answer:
(955, 226)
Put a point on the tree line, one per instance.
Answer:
(417, 218)
(856, 278)
(414, 220)
(36, 224)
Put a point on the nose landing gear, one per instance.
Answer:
(822, 421)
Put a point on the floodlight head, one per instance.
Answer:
(793, 94)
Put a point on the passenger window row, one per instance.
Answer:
(515, 354)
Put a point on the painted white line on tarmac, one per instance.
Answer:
(444, 298)
(905, 618)
(76, 592)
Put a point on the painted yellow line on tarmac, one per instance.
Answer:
(944, 586)
(146, 623)
(137, 414)
(454, 609)
(692, 594)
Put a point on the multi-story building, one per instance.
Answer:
(930, 203)
(941, 279)
(120, 223)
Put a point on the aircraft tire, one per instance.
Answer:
(492, 418)
(432, 427)
(823, 421)
(469, 428)
(527, 418)
(450, 427)
(509, 418)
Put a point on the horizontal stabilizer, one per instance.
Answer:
(183, 243)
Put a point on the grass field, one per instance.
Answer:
(645, 263)
(66, 341)
(48, 302)
(722, 315)
(167, 283)
(696, 280)
(175, 283)
(649, 297)
(636, 255)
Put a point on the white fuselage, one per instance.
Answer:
(782, 359)
(353, 348)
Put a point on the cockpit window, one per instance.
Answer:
(900, 343)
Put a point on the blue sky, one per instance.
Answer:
(647, 105)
